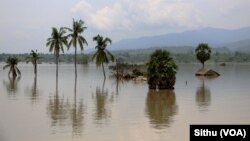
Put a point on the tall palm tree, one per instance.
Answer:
(203, 52)
(56, 42)
(75, 37)
(12, 62)
(33, 58)
(102, 55)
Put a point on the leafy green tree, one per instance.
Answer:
(33, 58)
(161, 70)
(12, 62)
(56, 42)
(203, 52)
(75, 37)
(102, 55)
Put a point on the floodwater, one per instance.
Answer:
(32, 109)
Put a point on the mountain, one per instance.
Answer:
(215, 37)
(242, 45)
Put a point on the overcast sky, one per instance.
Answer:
(26, 24)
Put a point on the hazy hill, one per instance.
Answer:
(214, 36)
(242, 45)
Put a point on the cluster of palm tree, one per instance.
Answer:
(59, 38)
(56, 42)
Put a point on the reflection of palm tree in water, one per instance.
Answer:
(160, 107)
(102, 100)
(203, 96)
(34, 91)
(77, 114)
(58, 110)
(117, 86)
(12, 85)
(63, 112)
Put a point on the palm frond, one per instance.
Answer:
(49, 42)
(70, 44)
(51, 48)
(94, 56)
(108, 40)
(110, 55)
(82, 41)
(69, 29)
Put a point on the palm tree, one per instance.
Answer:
(161, 70)
(77, 28)
(12, 63)
(56, 42)
(203, 52)
(102, 55)
(33, 58)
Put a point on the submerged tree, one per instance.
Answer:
(102, 55)
(203, 52)
(12, 62)
(161, 70)
(75, 37)
(33, 58)
(56, 42)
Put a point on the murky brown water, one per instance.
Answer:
(32, 110)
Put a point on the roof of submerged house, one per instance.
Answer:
(206, 72)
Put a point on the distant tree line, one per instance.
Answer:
(49, 58)
(140, 57)
(189, 57)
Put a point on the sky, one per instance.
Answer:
(26, 24)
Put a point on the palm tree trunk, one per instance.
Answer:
(35, 69)
(203, 65)
(103, 72)
(57, 60)
(75, 87)
(75, 64)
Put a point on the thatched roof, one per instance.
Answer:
(206, 72)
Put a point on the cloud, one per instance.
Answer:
(113, 17)
(131, 14)
(127, 14)
(81, 6)
(165, 12)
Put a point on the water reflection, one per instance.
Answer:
(203, 96)
(161, 107)
(77, 114)
(102, 101)
(12, 85)
(58, 110)
(33, 91)
(64, 113)
(117, 83)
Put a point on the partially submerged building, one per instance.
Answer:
(207, 72)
